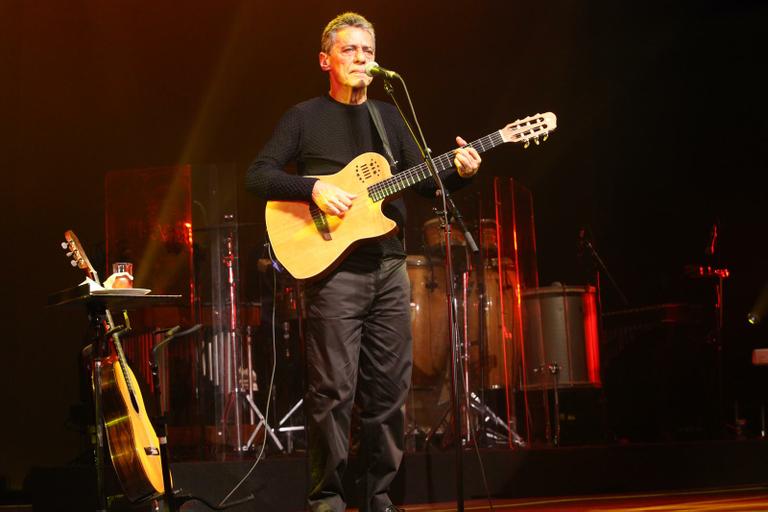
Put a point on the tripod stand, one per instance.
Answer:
(232, 359)
(286, 293)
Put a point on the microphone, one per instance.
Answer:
(372, 68)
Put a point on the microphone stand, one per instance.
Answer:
(602, 268)
(449, 209)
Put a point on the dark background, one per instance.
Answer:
(661, 133)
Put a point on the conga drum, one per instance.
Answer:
(429, 320)
(431, 344)
(497, 312)
(434, 238)
(560, 328)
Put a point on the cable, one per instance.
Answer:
(271, 386)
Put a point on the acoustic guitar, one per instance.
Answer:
(308, 242)
(133, 444)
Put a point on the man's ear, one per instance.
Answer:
(325, 61)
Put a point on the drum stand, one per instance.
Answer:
(281, 425)
(487, 416)
(476, 401)
(554, 370)
(262, 420)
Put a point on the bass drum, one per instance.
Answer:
(429, 320)
(497, 312)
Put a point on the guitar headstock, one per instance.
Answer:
(77, 253)
(536, 128)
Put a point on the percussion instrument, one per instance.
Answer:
(560, 335)
(429, 320)
(497, 312)
(434, 238)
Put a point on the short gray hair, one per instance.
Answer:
(343, 20)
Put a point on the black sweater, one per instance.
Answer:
(321, 136)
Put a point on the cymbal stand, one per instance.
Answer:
(173, 498)
(230, 359)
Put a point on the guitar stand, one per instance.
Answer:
(97, 351)
(173, 497)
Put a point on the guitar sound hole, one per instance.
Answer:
(367, 171)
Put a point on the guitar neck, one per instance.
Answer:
(418, 173)
(120, 354)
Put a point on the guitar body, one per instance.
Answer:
(298, 243)
(133, 444)
(307, 242)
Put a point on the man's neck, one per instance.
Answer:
(349, 95)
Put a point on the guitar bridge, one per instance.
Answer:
(151, 450)
(321, 222)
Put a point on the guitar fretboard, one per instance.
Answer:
(402, 180)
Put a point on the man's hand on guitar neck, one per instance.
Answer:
(331, 199)
(467, 160)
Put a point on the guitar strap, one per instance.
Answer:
(374, 110)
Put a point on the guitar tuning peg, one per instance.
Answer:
(527, 143)
(65, 246)
(545, 137)
(536, 140)
(73, 263)
(69, 254)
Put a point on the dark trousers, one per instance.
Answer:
(358, 338)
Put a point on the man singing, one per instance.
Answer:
(358, 332)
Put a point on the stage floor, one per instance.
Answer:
(725, 475)
(732, 499)
(722, 500)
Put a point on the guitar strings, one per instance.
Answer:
(420, 172)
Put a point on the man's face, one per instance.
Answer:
(352, 49)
